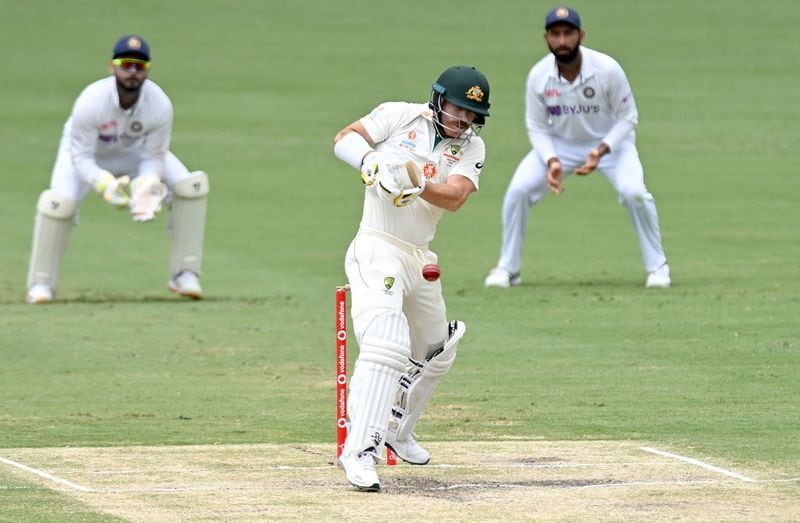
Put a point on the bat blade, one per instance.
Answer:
(414, 173)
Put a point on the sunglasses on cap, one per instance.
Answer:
(131, 64)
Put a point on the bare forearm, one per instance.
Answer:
(449, 196)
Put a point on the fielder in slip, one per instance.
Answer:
(581, 116)
(406, 344)
(116, 141)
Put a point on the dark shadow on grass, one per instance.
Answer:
(99, 299)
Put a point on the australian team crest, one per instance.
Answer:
(475, 93)
(455, 149)
(388, 282)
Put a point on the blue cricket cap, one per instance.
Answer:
(562, 15)
(132, 44)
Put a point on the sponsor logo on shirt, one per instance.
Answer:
(551, 93)
(409, 142)
(430, 171)
(565, 110)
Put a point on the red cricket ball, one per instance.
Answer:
(431, 272)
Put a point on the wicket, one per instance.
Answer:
(341, 374)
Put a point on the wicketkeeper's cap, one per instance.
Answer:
(132, 44)
(562, 15)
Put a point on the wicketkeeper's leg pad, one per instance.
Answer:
(188, 222)
(55, 218)
(419, 382)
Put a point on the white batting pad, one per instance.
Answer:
(188, 223)
(372, 391)
(52, 226)
(419, 383)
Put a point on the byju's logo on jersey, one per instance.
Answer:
(566, 110)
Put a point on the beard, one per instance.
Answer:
(130, 86)
(566, 58)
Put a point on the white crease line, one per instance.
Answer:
(698, 463)
(46, 475)
(448, 466)
(648, 483)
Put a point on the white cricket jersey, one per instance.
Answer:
(405, 131)
(598, 106)
(99, 129)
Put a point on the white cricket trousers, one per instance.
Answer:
(385, 273)
(621, 167)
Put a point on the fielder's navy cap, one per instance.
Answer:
(132, 44)
(562, 15)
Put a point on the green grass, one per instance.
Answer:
(580, 351)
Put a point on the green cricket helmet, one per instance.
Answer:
(465, 87)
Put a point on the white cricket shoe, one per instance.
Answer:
(501, 277)
(659, 278)
(40, 293)
(409, 450)
(186, 284)
(360, 470)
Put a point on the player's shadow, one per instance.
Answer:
(111, 298)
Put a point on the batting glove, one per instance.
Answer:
(147, 193)
(406, 196)
(371, 167)
(394, 185)
(112, 189)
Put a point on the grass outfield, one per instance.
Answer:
(580, 352)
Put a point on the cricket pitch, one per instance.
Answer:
(471, 481)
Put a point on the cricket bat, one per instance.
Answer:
(414, 173)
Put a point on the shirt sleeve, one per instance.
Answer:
(84, 130)
(623, 106)
(472, 161)
(536, 117)
(156, 145)
(384, 120)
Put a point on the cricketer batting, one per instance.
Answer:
(406, 344)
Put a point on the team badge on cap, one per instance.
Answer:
(475, 93)
(134, 43)
(562, 12)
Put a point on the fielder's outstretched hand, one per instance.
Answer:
(147, 193)
(112, 189)
(592, 159)
(555, 172)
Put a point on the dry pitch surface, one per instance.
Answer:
(476, 481)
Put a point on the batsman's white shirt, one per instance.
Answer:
(405, 131)
(385, 260)
(597, 107)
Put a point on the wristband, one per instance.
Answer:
(351, 149)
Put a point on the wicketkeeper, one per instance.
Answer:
(406, 344)
(116, 142)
